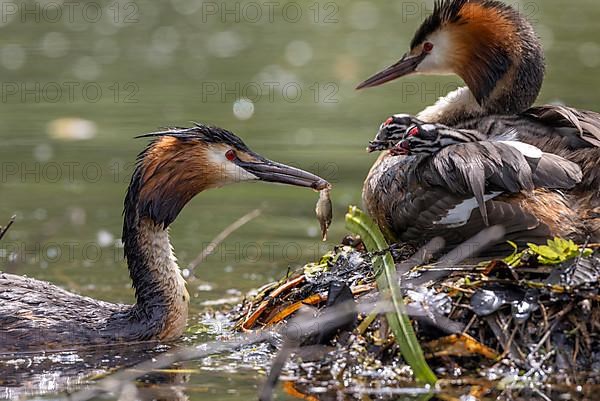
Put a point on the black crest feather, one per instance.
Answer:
(443, 12)
(449, 12)
(203, 132)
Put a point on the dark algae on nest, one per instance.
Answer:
(523, 326)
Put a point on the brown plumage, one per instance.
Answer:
(496, 52)
(456, 190)
(571, 133)
(178, 164)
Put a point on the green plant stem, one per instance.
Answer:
(388, 284)
(364, 325)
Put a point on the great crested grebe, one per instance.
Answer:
(489, 45)
(496, 52)
(178, 164)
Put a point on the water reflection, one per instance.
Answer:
(77, 88)
(34, 374)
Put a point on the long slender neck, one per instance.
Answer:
(161, 296)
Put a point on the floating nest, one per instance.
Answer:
(525, 326)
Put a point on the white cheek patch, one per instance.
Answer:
(460, 214)
(436, 62)
(525, 149)
(228, 171)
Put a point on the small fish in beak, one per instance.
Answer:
(324, 211)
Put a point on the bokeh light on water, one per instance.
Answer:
(75, 92)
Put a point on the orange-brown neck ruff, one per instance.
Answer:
(482, 37)
(171, 172)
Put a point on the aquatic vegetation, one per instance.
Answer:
(475, 320)
(557, 250)
(387, 282)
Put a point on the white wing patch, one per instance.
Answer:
(510, 135)
(526, 149)
(460, 214)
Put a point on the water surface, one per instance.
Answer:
(138, 66)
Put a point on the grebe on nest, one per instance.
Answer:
(178, 164)
(496, 52)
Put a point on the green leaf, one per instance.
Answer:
(387, 282)
(514, 260)
(546, 252)
(555, 246)
(557, 250)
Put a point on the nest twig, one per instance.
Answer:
(545, 323)
(4, 230)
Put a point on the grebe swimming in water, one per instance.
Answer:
(178, 164)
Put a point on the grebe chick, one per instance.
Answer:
(442, 181)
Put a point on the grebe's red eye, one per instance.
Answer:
(230, 155)
(427, 47)
(414, 131)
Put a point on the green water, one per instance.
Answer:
(130, 67)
